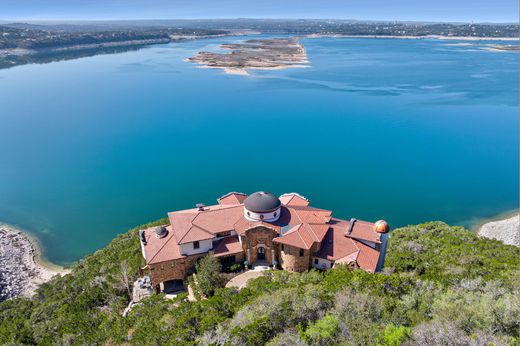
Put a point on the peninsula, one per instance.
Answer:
(259, 54)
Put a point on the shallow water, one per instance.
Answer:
(406, 130)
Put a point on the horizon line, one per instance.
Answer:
(28, 20)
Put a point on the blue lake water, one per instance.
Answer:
(406, 130)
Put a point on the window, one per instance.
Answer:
(274, 214)
(196, 245)
(301, 252)
(261, 216)
(316, 261)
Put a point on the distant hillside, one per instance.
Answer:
(441, 284)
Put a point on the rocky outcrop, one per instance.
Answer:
(506, 230)
(20, 274)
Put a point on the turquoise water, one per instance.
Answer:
(406, 130)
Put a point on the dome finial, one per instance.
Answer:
(381, 226)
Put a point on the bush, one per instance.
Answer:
(208, 279)
(322, 332)
(233, 268)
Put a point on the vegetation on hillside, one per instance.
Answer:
(441, 285)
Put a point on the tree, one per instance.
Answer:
(208, 275)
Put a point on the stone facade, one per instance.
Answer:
(172, 270)
(256, 238)
(291, 259)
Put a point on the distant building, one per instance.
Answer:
(261, 229)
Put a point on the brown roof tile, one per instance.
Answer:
(293, 199)
(362, 230)
(232, 198)
(367, 258)
(160, 249)
(335, 245)
(228, 246)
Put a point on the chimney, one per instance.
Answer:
(351, 226)
(200, 206)
(142, 237)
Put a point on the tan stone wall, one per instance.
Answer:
(178, 269)
(291, 260)
(172, 270)
(259, 237)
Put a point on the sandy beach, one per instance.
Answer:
(506, 229)
(23, 268)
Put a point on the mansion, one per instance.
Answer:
(261, 229)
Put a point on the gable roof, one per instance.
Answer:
(232, 198)
(294, 199)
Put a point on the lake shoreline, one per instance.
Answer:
(24, 268)
(504, 227)
(406, 37)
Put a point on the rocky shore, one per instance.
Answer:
(506, 230)
(21, 271)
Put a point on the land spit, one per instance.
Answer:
(259, 54)
(21, 271)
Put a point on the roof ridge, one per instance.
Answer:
(303, 240)
(189, 229)
(312, 233)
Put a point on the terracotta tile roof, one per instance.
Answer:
(228, 246)
(348, 259)
(298, 236)
(214, 219)
(160, 249)
(361, 230)
(303, 235)
(293, 199)
(312, 215)
(195, 234)
(342, 249)
(367, 258)
(242, 225)
(232, 198)
(219, 220)
(335, 245)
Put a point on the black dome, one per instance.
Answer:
(262, 202)
(160, 231)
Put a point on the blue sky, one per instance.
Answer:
(420, 10)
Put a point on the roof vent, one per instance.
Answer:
(200, 206)
(351, 226)
(142, 237)
(160, 231)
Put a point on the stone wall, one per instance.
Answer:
(172, 270)
(258, 237)
(291, 260)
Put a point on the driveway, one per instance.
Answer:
(240, 281)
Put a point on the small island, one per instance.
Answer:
(259, 54)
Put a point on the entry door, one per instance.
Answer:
(261, 253)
